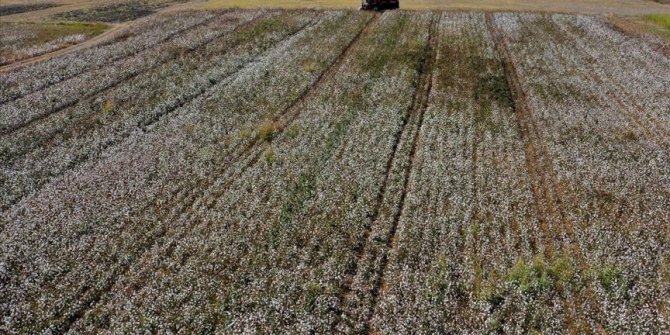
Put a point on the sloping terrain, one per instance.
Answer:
(303, 171)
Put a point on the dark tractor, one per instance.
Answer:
(380, 4)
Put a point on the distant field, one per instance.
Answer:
(117, 12)
(628, 7)
(625, 7)
(314, 172)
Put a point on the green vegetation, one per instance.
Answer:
(267, 130)
(539, 275)
(270, 156)
(292, 132)
(658, 24)
(611, 277)
(662, 20)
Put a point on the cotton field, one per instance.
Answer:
(310, 172)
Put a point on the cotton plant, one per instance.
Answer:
(605, 158)
(277, 171)
(55, 98)
(115, 114)
(23, 81)
(181, 149)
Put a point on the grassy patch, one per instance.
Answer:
(545, 277)
(493, 87)
(270, 156)
(611, 278)
(108, 106)
(292, 132)
(267, 130)
(662, 20)
(540, 275)
(657, 24)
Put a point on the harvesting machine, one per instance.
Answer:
(380, 4)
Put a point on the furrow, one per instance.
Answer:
(535, 155)
(419, 107)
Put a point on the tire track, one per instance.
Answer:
(6, 131)
(188, 198)
(545, 186)
(419, 107)
(365, 245)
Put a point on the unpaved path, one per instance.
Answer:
(115, 30)
(106, 36)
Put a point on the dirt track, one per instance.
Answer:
(106, 36)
